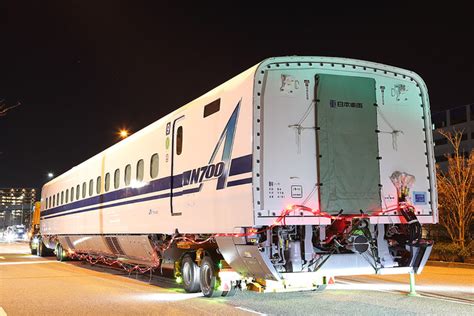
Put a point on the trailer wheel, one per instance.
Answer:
(59, 253)
(33, 251)
(208, 278)
(43, 251)
(190, 275)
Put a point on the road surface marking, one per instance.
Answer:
(25, 262)
(249, 310)
(2, 312)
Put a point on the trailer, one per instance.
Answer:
(295, 171)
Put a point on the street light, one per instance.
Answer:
(50, 175)
(124, 133)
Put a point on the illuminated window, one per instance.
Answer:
(154, 166)
(128, 174)
(97, 185)
(91, 187)
(107, 182)
(140, 169)
(179, 141)
(116, 178)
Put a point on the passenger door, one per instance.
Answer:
(177, 166)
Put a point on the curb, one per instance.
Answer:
(450, 264)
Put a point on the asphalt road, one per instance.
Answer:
(30, 285)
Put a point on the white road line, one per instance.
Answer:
(26, 262)
(249, 310)
(2, 312)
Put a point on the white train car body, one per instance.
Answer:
(319, 132)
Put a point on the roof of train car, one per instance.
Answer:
(235, 80)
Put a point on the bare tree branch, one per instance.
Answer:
(4, 108)
(456, 190)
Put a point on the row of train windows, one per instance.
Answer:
(73, 194)
(68, 195)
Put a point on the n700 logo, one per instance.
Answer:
(211, 171)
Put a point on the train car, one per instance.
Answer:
(295, 171)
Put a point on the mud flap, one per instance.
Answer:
(421, 254)
(247, 259)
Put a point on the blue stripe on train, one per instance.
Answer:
(242, 165)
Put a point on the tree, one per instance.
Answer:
(456, 190)
(4, 108)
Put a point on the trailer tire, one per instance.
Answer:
(191, 275)
(43, 251)
(33, 251)
(59, 253)
(208, 278)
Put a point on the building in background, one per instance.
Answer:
(16, 205)
(459, 118)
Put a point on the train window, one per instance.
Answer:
(179, 141)
(107, 182)
(91, 187)
(116, 178)
(84, 189)
(72, 194)
(47, 203)
(54, 200)
(140, 169)
(128, 174)
(154, 166)
(67, 195)
(78, 191)
(97, 185)
(57, 199)
(62, 197)
(212, 108)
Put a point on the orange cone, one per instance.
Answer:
(331, 280)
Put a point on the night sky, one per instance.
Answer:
(82, 70)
